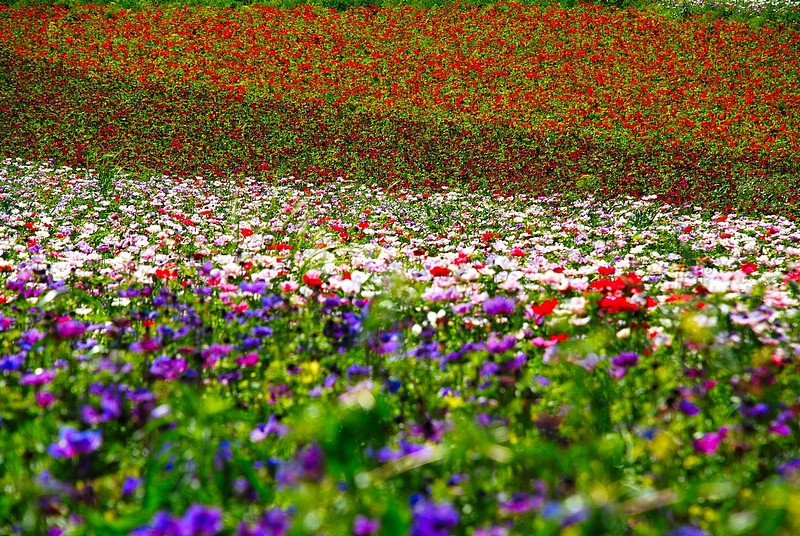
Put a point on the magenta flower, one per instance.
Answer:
(781, 429)
(248, 360)
(38, 377)
(709, 443)
(67, 328)
(45, 399)
(72, 443)
(364, 526)
(147, 344)
(6, 322)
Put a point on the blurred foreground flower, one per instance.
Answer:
(72, 443)
(433, 519)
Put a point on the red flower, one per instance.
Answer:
(618, 305)
(748, 267)
(312, 278)
(545, 308)
(166, 273)
(438, 271)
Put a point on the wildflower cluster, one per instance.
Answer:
(510, 98)
(202, 357)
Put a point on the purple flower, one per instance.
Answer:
(789, 468)
(30, 337)
(498, 346)
(358, 370)
(498, 305)
(147, 344)
(622, 363)
(91, 415)
(72, 443)
(432, 519)
(38, 377)
(364, 526)
(201, 521)
(754, 410)
(491, 531)
(387, 343)
(213, 353)
(516, 362)
(272, 426)
(489, 369)
(688, 408)
(387, 454)
(687, 530)
(256, 287)
(626, 360)
(162, 524)
(522, 503)
(130, 484)
(167, 368)
(307, 465)
(311, 462)
(67, 328)
(461, 309)
(10, 362)
(274, 522)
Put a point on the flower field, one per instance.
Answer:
(494, 271)
(223, 357)
(510, 98)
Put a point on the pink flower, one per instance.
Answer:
(709, 443)
(248, 360)
(45, 399)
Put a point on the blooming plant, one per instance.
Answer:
(510, 98)
(444, 363)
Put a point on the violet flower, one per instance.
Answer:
(168, 368)
(688, 408)
(72, 443)
(498, 346)
(433, 519)
(364, 526)
(162, 524)
(499, 305)
(201, 521)
(271, 427)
